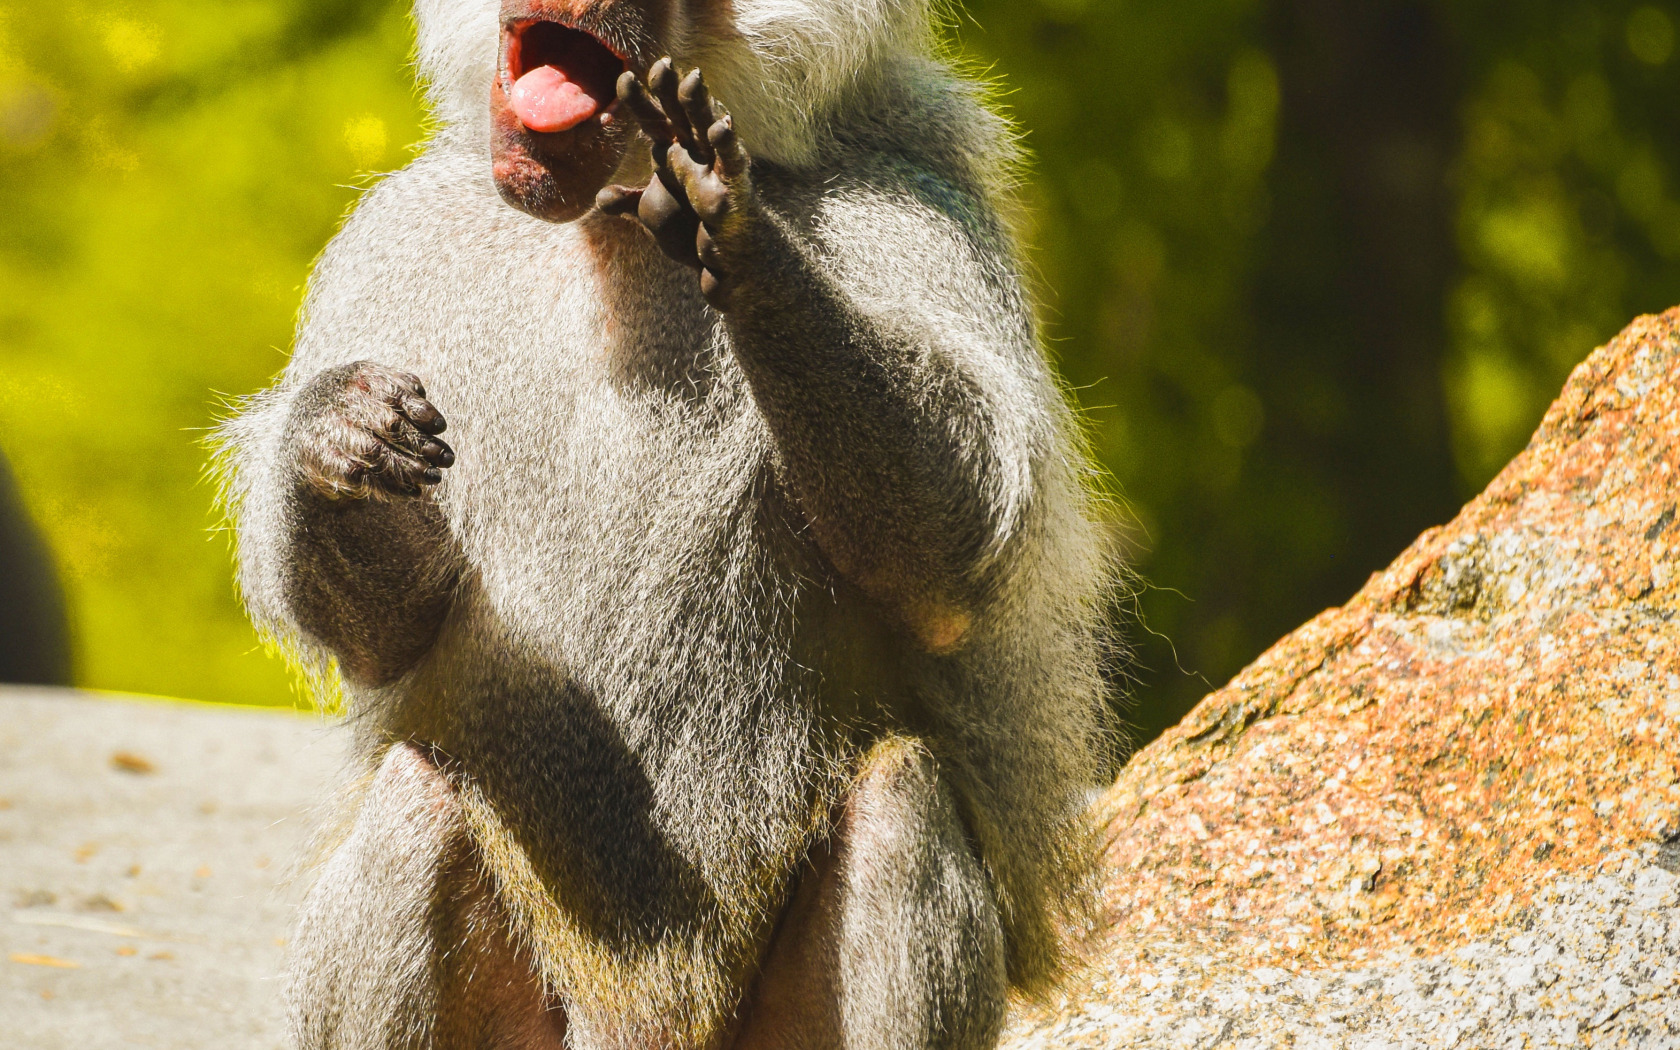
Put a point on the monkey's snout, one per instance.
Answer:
(554, 141)
(557, 76)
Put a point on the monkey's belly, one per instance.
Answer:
(641, 808)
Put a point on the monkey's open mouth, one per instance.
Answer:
(556, 77)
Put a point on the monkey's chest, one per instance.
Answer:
(631, 603)
(621, 518)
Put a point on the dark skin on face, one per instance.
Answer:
(699, 198)
(555, 175)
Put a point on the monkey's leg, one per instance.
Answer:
(402, 943)
(893, 940)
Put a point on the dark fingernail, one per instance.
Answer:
(714, 289)
(437, 452)
(428, 419)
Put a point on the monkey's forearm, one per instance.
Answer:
(885, 442)
(368, 581)
(369, 567)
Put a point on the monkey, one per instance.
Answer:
(669, 473)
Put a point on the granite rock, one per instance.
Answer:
(1448, 812)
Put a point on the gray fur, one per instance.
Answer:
(406, 891)
(376, 897)
(624, 625)
(922, 957)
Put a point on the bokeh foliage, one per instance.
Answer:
(167, 172)
(1313, 268)
(1318, 266)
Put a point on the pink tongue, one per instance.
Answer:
(544, 100)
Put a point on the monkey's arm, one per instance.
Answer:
(340, 544)
(887, 344)
(893, 445)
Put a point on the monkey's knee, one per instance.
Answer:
(401, 942)
(893, 941)
(922, 952)
(359, 966)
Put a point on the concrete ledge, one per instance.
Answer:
(144, 849)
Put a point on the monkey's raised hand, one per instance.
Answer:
(365, 431)
(700, 196)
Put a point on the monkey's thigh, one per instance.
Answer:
(401, 942)
(893, 940)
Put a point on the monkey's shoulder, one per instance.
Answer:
(432, 267)
(441, 209)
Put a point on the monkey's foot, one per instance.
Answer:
(365, 431)
(700, 196)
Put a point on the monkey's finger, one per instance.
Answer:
(437, 453)
(633, 93)
(713, 199)
(422, 413)
(707, 250)
(338, 477)
(732, 157)
(401, 435)
(668, 178)
(715, 290)
(697, 107)
(670, 220)
(618, 200)
(410, 383)
(684, 175)
(400, 471)
(662, 81)
(363, 465)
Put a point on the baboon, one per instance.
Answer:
(728, 677)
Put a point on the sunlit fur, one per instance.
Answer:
(654, 689)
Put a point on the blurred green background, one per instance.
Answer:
(1314, 269)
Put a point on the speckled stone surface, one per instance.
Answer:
(144, 854)
(1447, 813)
(1594, 962)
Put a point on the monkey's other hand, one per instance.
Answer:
(700, 199)
(365, 431)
